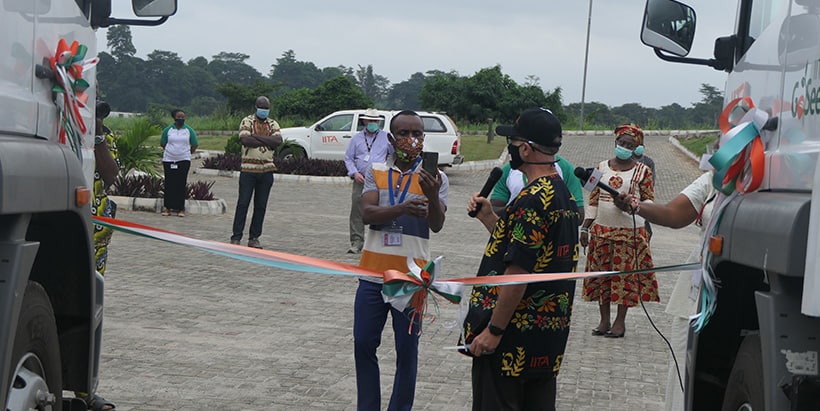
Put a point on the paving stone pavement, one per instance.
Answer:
(189, 330)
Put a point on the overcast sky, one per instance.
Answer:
(542, 38)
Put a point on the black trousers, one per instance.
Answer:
(176, 183)
(492, 391)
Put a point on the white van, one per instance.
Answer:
(329, 137)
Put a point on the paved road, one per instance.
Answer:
(189, 330)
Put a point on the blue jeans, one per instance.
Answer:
(370, 315)
(256, 185)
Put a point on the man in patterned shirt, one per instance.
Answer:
(259, 135)
(517, 333)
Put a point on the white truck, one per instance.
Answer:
(760, 349)
(329, 137)
(51, 297)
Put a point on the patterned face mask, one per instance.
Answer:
(408, 148)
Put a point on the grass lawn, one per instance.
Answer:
(205, 142)
(475, 147)
(698, 145)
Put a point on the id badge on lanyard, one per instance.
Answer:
(392, 235)
(174, 166)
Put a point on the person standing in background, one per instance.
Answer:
(614, 245)
(368, 146)
(178, 142)
(513, 181)
(641, 157)
(259, 135)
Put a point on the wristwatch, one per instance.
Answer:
(495, 330)
(98, 140)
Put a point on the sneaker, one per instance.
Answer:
(354, 250)
(236, 242)
(254, 243)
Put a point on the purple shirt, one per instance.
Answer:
(363, 144)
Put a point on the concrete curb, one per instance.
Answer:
(208, 207)
(675, 143)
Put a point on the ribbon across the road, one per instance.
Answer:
(402, 290)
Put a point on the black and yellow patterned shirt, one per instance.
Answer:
(539, 233)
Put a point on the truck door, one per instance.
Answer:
(332, 135)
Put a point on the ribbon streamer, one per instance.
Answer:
(401, 290)
(68, 65)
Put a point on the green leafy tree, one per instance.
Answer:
(405, 95)
(119, 41)
(241, 98)
(338, 94)
(373, 85)
(291, 74)
(231, 68)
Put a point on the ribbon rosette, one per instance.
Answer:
(68, 65)
(740, 162)
(410, 290)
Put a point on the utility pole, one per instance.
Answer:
(586, 60)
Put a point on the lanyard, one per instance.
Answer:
(373, 140)
(390, 186)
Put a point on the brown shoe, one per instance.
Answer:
(235, 242)
(181, 214)
(166, 212)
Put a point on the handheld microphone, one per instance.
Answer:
(495, 175)
(586, 174)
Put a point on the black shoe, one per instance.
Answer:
(254, 243)
(236, 242)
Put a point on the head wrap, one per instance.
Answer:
(632, 130)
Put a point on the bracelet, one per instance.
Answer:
(636, 208)
(585, 230)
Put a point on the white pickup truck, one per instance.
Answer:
(328, 138)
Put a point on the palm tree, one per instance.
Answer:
(134, 154)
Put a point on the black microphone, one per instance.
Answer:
(495, 175)
(585, 174)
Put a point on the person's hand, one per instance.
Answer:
(416, 207)
(486, 206)
(625, 202)
(484, 343)
(430, 184)
(358, 177)
(584, 239)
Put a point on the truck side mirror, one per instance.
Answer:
(668, 25)
(154, 8)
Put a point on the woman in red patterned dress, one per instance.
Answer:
(616, 239)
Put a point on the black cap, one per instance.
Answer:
(538, 125)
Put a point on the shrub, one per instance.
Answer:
(200, 190)
(134, 153)
(233, 146)
(312, 167)
(143, 186)
(229, 162)
(146, 186)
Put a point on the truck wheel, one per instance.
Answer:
(288, 153)
(36, 379)
(744, 390)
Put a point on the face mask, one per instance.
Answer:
(179, 121)
(262, 113)
(623, 153)
(408, 148)
(372, 127)
(515, 157)
(638, 151)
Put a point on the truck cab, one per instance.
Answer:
(759, 350)
(328, 138)
(51, 297)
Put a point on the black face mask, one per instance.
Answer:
(515, 157)
(179, 121)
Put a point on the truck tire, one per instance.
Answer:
(288, 153)
(744, 390)
(36, 379)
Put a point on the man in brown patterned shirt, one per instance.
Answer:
(259, 135)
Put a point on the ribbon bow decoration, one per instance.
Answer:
(410, 290)
(740, 162)
(68, 65)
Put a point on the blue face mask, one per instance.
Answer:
(638, 151)
(623, 153)
(262, 113)
(179, 121)
(372, 127)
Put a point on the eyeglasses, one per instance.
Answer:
(414, 133)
